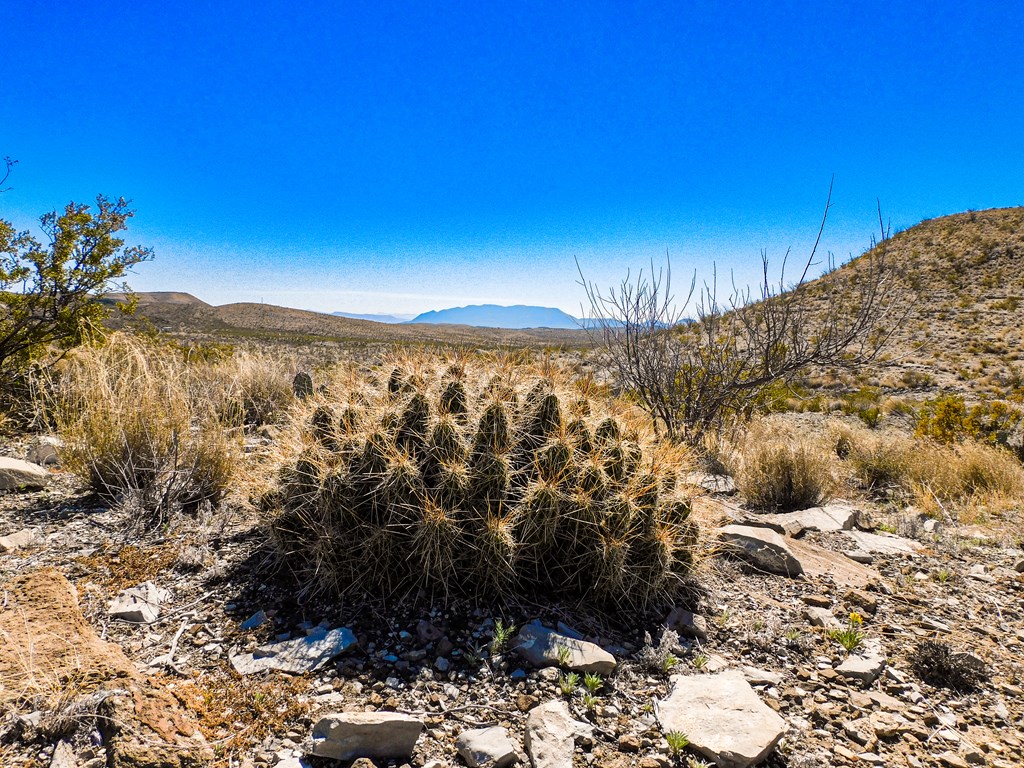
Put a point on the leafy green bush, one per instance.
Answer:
(468, 482)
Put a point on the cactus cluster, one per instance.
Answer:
(471, 483)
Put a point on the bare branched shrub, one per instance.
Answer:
(139, 427)
(699, 362)
(481, 477)
(777, 469)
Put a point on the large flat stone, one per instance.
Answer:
(541, 647)
(351, 735)
(303, 654)
(762, 547)
(723, 718)
(884, 543)
(16, 474)
(820, 563)
(26, 537)
(829, 518)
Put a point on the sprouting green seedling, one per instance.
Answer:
(592, 682)
(677, 742)
(759, 625)
(568, 682)
(564, 655)
(500, 638)
(722, 619)
(942, 576)
(851, 636)
(590, 702)
(700, 661)
(886, 528)
(792, 635)
(669, 663)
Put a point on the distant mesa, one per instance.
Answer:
(495, 316)
(157, 297)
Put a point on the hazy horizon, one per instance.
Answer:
(391, 159)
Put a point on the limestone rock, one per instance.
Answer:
(723, 718)
(883, 543)
(822, 617)
(486, 747)
(687, 624)
(303, 654)
(139, 605)
(350, 735)
(540, 647)
(26, 537)
(831, 517)
(551, 734)
(763, 547)
(16, 474)
(63, 756)
(865, 665)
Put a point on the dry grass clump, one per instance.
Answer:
(777, 469)
(254, 386)
(967, 474)
(482, 476)
(140, 426)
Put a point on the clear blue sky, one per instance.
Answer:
(398, 157)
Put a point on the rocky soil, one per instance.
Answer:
(216, 658)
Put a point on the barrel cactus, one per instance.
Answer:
(482, 484)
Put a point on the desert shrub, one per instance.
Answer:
(865, 404)
(778, 469)
(138, 425)
(481, 480)
(937, 664)
(948, 419)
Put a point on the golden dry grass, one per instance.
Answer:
(777, 468)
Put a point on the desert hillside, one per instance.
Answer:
(965, 287)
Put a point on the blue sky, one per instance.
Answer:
(399, 157)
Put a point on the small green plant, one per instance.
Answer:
(723, 617)
(851, 636)
(886, 528)
(677, 742)
(943, 575)
(502, 634)
(567, 683)
(700, 661)
(590, 702)
(592, 682)
(669, 663)
(564, 656)
(793, 635)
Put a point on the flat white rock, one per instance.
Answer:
(723, 717)
(883, 543)
(26, 537)
(16, 474)
(297, 656)
(140, 604)
(541, 647)
(486, 747)
(350, 735)
(866, 664)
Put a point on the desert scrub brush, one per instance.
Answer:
(424, 478)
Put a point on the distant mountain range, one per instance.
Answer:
(494, 316)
